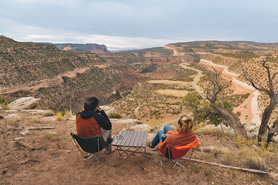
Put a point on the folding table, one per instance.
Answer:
(130, 142)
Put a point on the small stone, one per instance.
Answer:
(4, 172)
(208, 149)
(274, 175)
(67, 151)
(24, 132)
(275, 139)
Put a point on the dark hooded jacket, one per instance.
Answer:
(88, 123)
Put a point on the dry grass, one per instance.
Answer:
(253, 161)
(68, 113)
(228, 158)
(5, 106)
(59, 116)
(170, 82)
(172, 92)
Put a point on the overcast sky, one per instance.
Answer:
(130, 24)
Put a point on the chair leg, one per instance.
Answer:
(86, 158)
(177, 163)
(187, 163)
(93, 155)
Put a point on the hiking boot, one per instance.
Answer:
(149, 145)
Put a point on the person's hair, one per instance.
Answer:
(90, 104)
(186, 123)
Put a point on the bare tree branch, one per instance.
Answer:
(273, 76)
(229, 117)
(270, 81)
(274, 128)
(247, 76)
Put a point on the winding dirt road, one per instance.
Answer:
(249, 110)
(197, 77)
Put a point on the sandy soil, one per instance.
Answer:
(56, 160)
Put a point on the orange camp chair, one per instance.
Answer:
(175, 153)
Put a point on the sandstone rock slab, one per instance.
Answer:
(24, 132)
(39, 112)
(275, 139)
(141, 127)
(219, 128)
(251, 127)
(25, 103)
(107, 109)
(13, 116)
(126, 121)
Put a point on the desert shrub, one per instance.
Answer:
(201, 109)
(228, 158)
(59, 116)
(255, 162)
(2, 100)
(4, 103)
(68, 112)
(5, 106)
(114, 115)
(209, 174)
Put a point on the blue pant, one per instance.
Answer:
(157, 138)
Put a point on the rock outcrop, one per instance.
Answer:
(25, 103)
(58, 77)
(93, 48)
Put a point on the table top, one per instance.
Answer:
(128, 138)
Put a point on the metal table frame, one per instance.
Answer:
(130, 142)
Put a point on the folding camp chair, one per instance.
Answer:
(175, 153)
(91, 145)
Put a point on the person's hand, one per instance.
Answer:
(98, 109)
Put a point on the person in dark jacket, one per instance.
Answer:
(93, 121)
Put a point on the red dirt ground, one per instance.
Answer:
(56, 160)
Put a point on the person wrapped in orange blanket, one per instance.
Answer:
(183, 136)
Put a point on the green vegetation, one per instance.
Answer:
(239, 55)
(114, 115)
(4, 103)
(201, 109)
(59, 116)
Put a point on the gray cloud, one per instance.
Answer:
(152, 20)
